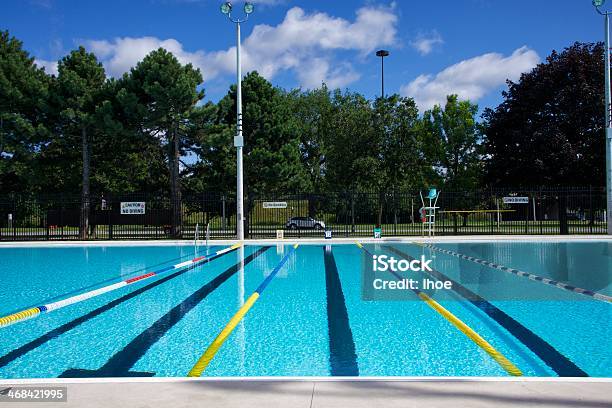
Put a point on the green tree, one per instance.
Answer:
(166, 93)
(401, 163)
(23, 107)
(549, 128)
(350, 153)
(215, 169)
(453, 140)
(75, 96)
(272, 162)
(397, 162)
(137, 162)
(312, 113)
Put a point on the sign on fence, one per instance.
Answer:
(516, 200)
(133, 208)
(275, 204)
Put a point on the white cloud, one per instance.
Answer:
(268, 2)
(46, 4)
(425, 43)
(234, 3)
(470, 79)
(49, 66)
(122, 54)
(303, 42)
(318, 70)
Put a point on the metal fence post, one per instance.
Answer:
(591, 215)
(492, 215)
(223, 222)
(563, 227)
(527, 217)
(109, 212)
(14, 218)
(47, 224)
(353, 216)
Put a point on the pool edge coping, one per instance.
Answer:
(312, 241)
(4, 382)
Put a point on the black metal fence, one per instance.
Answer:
(346, 214)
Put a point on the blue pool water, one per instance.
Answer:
(311, 320)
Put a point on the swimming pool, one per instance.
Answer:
(312, 318)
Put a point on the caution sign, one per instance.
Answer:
(133, 208)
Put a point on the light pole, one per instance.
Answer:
(226, 8)
(382, 54)
(608, 118)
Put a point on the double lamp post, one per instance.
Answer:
(226, 8)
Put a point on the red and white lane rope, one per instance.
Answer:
(28, 313)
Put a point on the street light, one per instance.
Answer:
(608, 119)
(226, 8)
(382, 54)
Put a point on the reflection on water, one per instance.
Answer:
(586, 265)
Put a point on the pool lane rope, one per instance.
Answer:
(29, 313)
(531, 276)
(506, 364)
(213, 348)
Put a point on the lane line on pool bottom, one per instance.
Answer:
(28, 313)
(531, 276)
(342, 354)
(66, 327)
(213, 348)
(504, 363)
(120, 363)
(562, 365)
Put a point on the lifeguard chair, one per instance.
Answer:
(428, 212)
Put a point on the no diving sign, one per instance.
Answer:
(133, 208)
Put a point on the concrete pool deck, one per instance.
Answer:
(308, 393)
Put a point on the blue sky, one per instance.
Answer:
(461, 46)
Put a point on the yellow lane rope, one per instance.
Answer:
(211, 351)
(214, 347)
(506, 364)
(475, 337)
(24, 314)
